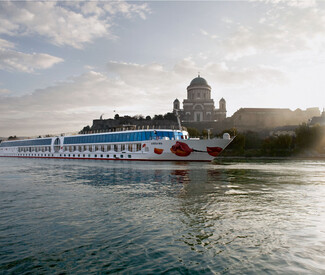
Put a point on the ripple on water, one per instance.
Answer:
(117, 217)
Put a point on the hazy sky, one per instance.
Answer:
(63, 64)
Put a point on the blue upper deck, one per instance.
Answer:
(27, 142)
(128, 136)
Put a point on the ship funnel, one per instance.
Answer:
(226, 136)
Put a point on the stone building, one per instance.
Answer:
(320, 120)
(257, 119)
(199, 106)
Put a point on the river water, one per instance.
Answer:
(82, 216)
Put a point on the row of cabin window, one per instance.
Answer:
(74, 155)
(35, 149)
(131, 147)
(94, 156)
(122, 137)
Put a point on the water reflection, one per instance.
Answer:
(246, 208)
(132, 216)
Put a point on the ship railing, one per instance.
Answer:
(126, 128)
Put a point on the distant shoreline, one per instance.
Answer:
(269, 158)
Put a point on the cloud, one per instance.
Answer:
(12, 60)
(205, 33)
(4, 91)
(256, 76)
(64, 23)
(129, 88)
(4, 44)
(61, 23)
(286, 28)
(292, 3)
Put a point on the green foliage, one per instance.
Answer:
(277, 146)
(170, 116)
(252, 140)
(308, 137)
(204, 133)
(85, 129)
(251, 144)
(238, 144)
(158, 117)
(193, 132)
(232, 132)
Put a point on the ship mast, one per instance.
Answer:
(178, 120)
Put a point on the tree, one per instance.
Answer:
(158, 117)
(308, 137)
(193, 132)
(277, 145)
(170, 116)
(238, 144)
(148, 117)
(204, 133)
(85, 129)
(252, 140)
(117, 116)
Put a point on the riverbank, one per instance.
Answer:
(265, 158)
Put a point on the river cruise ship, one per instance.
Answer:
(170, 145)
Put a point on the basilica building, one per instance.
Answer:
(199, 106)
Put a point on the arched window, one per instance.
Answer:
(57, 144)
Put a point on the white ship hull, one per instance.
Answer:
(158, 149)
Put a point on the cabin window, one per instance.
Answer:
(138, 146)
(129, 147)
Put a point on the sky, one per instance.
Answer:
(63, 64)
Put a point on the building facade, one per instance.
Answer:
(199, 106)
(320, 120)
(256, 119)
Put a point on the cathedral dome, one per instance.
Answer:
(199, 81)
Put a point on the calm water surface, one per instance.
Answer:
(70, 216)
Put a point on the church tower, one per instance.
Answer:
(199, 106)
(176, 105)
(222, 112)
